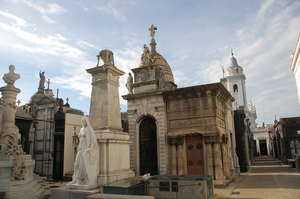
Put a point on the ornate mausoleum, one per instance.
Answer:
(178, 131)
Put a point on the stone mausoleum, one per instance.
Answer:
(178, 131)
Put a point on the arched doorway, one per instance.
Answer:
(148, 147)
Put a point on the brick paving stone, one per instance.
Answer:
(266, 179)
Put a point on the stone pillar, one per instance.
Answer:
(9, 95)
(105, 118)
(172, 143)
(220, 179)
(225, 156)
(16, 168)
(180, 156)
(218, 161)
(105, 112)
(209, 156)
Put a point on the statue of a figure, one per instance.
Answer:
(107, 56)
(86, 166)
(145, 56)
(129, 83)
(42, 80)
(11, 76)
(161, 78)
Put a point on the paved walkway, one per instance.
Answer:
(266, 179)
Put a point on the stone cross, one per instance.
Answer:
(152, 30)
(19, 102)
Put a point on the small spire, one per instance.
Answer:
(152, 34)
(223, 70)
(231, 52)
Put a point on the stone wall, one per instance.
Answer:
(139, 108)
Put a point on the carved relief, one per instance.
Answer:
(175, 140)
(212, 139)
(224, 139)
(15, 150)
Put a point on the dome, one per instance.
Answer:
(233, 61)
(156, 59)
(234, 68)
(36, 97)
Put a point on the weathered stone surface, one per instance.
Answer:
(63, 193)
(111, 196)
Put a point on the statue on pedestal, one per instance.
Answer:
(11, 77)
(129, 83)
(86, 167)
(145, 56)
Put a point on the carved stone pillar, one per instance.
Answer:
(218, 159)
(225, 156)
(172, 143)
(180, 156)
(209, 156)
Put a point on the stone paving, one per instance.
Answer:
(266, 179)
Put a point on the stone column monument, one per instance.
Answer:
(105, 118)
(16, 168)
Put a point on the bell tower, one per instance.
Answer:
(234, 81)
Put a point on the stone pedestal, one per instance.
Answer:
(16, 168)
(63, 193)
(105, 118)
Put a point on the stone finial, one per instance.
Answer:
(107, 57)
(11, 76)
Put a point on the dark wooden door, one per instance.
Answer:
(58, 157)
(148, 147)
(194, 154)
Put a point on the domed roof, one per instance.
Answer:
(234, 68)
(36, 97)
(156, 59)
(233, 61)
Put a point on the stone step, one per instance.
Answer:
(24, 191)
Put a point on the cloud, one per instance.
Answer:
(86, 45)
(45, 9)
(19, 21)
(263, 9)
(111, 8)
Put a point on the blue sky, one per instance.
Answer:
(63, 38)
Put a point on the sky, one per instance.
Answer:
(63, 38)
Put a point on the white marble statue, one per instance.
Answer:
(11, 76)
(86, 166)
(129, 83)
(145, 56)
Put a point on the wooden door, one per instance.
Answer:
(194, 155)
(148, 147)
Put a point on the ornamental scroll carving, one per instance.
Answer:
(175, 141)
(15, 150)
(212, 139)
